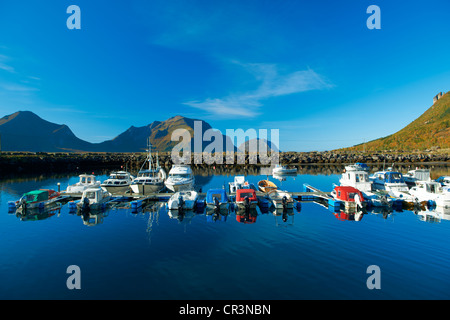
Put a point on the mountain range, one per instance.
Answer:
(26, 131)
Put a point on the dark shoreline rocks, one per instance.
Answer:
(21, 163)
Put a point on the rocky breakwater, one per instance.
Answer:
(23, 163)
(12, 163)
(299, 158)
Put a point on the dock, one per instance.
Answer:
(311, 194)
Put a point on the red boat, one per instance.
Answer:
(351, 197)
(246, 198)
(246, 218)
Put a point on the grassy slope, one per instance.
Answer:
(431, 129)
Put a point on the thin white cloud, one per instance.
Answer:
(272, 84)
(3, 64)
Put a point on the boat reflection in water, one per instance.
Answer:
(349, 215)
(434, 214)
(38, 213)
(286, 215)
(246, 215)
(93, 219)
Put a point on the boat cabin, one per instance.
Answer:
(358, 179)
(388, 177)
(220, 194)
(242, 193)
(38, 195)
(428, 187)
(346, 193)
(94, 195)
(87, 179)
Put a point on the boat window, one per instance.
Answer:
(180, 175)
(90, 195)
(246, 194)
(357, 177)
(217, 195)
(116, 182)
(339, 193)
(83, 180)
(432, 188)
(29, 197)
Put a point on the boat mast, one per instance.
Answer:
(149, 146)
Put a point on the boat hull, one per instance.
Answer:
(147, 188)
(241, 205)
(116, 189)
(175, 187)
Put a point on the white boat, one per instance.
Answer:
(118, 181)
(183, 200)
(357, 177)
(238, 183)
(86, 181)
(392, 182)
(150, 180)
(281, 199)
(283, 170)
(354, 176)
(94, 199)
(180, 178)
(431, 191)
(416, 175)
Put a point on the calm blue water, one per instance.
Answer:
(148, 255)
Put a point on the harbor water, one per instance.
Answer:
(151, 254)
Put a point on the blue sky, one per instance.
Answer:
(311, 69)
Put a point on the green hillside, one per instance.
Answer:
(430, 130)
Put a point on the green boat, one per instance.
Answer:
(38, 198)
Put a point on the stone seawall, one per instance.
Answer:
(15, 163)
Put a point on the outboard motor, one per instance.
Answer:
(284, 203)
(23, 204)
(216, 207)
(86, 205)
(216, 203)
(180, 204)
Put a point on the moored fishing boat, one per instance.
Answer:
(238, 183)
(217, 199)
(38, 199)
(94, 199)
(183, 200)
(431, 191)
(150, 180)
(281, 199)
(357, 177)
(416, 175)
(267, 186)
(118, 181)
(351, 197)
(283, 170)
(86, 181)
(392, 182)
(180, 178)
(246, 198)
